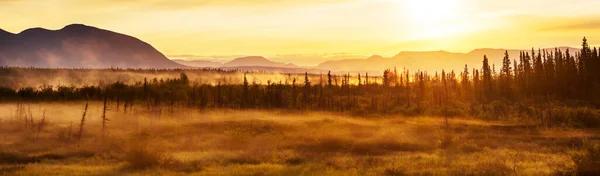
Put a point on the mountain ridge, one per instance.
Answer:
(79, 46)
(428, 60)
(82, 46)
(246, 61)
(256, 61)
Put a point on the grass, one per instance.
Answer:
(228, 142)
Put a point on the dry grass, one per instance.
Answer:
(231, 142)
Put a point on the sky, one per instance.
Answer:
(205, 28)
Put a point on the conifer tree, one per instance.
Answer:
(329, 79)
(506, 75)
(487, 77)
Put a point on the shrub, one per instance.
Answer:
(588, 162)
(141, 156)
(16, 158)
(586, 117)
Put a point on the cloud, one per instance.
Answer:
(573, 25)
(192, 4)
(537, 23)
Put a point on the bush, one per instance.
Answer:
(16, 158)
(586, 117)
(587, 162)
(141, 156)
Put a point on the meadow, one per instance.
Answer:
(277, 142)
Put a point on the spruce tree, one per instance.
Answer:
(487, 77)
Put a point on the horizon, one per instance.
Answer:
(272, 28)
(308, 60)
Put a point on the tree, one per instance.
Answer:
(104, 119)
(584, 66)
(184, 79)
(506, 75)
(465, 82)
(487, 77)
(549, 67)
(476, 84)
(367, 79)
(506, 71)
(246, 92)
(359, 80)
(306, 93)
(539, 73)
(294, 93)
(395, 76)
(386, 77)
(329, 79)
(80, 134)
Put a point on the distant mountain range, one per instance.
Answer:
(428, 60)
(78, 46)
(249, 61)
(198, 63)
(412, 60)
(81, 46)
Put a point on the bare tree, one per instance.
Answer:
(104, 119)
(80, 134)
(41, 125)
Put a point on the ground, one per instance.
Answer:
(233, 142)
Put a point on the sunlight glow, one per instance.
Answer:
(433, 18)
(318, 27)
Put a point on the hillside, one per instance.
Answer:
(78, 46)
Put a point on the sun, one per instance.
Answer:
(431, 12)
(432, 18)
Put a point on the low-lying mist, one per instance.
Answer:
(16, 78)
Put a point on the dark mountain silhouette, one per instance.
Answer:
(78, 46)
(4, 34)
(427, 60)
(198, 63)
(256, 61)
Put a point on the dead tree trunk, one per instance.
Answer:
(80, 134)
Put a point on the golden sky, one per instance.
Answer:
(271, 27)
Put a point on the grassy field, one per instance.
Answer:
(230, 142)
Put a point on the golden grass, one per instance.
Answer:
(229, 142)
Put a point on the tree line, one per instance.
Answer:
(549, 87)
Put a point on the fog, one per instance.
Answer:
(31, 77)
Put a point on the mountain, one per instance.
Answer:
(198, 63)
(256, 61)
(296, 70)
(5, 34)
(78, 46)
(245, 62)
(427, 60)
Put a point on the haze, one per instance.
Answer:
(319, 27)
